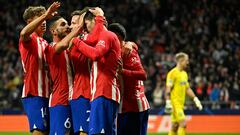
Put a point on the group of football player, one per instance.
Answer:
(88, 80)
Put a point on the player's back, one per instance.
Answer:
(179, 80)
(104, 70)
(36, 82)
(134, 99)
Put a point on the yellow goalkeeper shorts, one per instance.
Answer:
(177, 115)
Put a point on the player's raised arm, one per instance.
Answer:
(138, 71)
(92, 38)
(97, 11)
(102, 45)
(34, 24)
(65, 42)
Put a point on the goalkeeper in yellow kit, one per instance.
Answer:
(177, 87)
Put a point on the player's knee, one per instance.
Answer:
(38, 132)
(82, 133)
(174, 127)
(182, 124)
(68, 133)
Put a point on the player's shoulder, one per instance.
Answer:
(109, 34)
(185, 73)
(31, 37)
(50, 47)
(173, 71)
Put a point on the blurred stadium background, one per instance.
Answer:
(208, 30)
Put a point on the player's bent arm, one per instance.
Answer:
(65, 42)
(31, 27)
(92, 38)
(91, 52)
(136, 74)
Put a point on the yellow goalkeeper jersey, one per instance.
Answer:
(178, 81)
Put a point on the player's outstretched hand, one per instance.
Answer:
(168, 106)
(52, 10)
(197, 103)
(97, 11)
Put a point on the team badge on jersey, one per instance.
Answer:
(101, 42)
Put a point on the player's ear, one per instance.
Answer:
(29, 20)
(52, 31)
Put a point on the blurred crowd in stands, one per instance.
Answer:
(208, 30)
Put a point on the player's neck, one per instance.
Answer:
(39, 34)
(56, 39)
(179, 67)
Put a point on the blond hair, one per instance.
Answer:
(180, 55)
(33, 11)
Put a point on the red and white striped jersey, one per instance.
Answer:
(61, 76)
(81, 67)
(133, 98)
(36, 80)
(105, 57)
(81, 64)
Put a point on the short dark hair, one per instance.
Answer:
(89, 16)
(76, 12)
(80, 12)
(33, 11)
(118, 29)
(53, 20)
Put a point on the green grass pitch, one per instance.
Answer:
(198, 134)
(20, 133)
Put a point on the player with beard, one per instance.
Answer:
(61, 76)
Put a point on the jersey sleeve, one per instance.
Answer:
(96, 52)
(92, 38)
(28, 44)
(138, 71)
(170, 79)
(136, 74)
